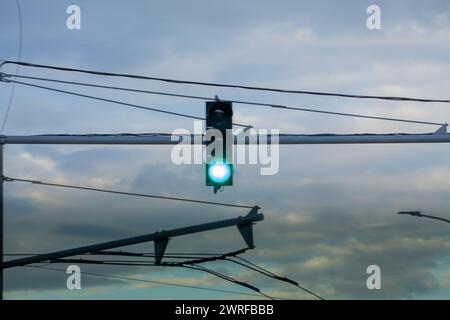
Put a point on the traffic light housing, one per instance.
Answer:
(219, 169)
(219, 115)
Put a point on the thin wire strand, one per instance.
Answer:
(150, 281)
(271, 105)
(109, 252)
(272, 275)
(140, 264)
(436, 218)
(212, 84)
(112, 101)
(193, 264)
(228, 278)
(189, 264)
(9, 179)
(19, 57)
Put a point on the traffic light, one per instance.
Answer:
(219, 169)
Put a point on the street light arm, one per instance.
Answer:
(419, 214)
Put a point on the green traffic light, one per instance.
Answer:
(219, 172)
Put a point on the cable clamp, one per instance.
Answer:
(442, 129)
(3, 77)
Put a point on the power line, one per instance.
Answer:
(212, 84)
(200, 258)
(105, 100)
(110, 252)
(271, 105)
(151, 281)
(126, 254)
(227, 278)
(225, 257)
(179, 255)
(9, 179)
(146, 263)
(186, 264)
(111, 101)
(270, 274)
(19, 57)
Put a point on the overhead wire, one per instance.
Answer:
(9, 179)
(187, 263)
(132, 105)
(261, 104)
(272, 275)
(222, 85)
(228, 278)
(150, 264)
(199, 258)
(150, 281)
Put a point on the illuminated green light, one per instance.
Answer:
(219, 172)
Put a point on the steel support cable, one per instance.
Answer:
(210, 259)
(261, 104)
(149, 264)
(149, 281)
(228, 278)
(132, 105)
(116, 254)
(198, 259)
(188, 264)
(9, 179)
(221, 85)
(276, 277)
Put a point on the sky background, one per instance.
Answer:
(330, 211)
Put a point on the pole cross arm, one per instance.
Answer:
(439, 136)
(161, 239)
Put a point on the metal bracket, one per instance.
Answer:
(3, 77)
(160, 248)
(442, 130)
(246, 229)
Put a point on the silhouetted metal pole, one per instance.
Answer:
(160, 238)
(1, 219)
(419, 214)
(440, 136)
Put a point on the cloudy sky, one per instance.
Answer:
(329, 212)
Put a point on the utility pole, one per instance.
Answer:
(1, 218)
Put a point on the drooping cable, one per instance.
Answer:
(9, 179)
(149, 281)
(132, 105)
(212, 84)
(261, 104)
(270, 274)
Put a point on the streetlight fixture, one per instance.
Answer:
(420, 215)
